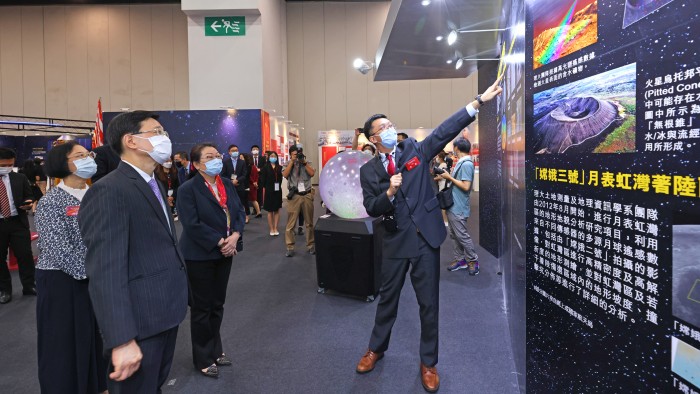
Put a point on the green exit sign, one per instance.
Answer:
(224, 25)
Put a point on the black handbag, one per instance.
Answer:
(444, 197)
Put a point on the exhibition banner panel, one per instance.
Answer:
(612, 116)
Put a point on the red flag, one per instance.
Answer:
(98, 136)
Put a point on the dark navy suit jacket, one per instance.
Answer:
(182, 175)
(416, 208)
(137, 277)
(204, 221)
(241, 172)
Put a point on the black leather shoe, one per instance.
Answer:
(211, 372)
(301, 231)
(5, 297)
(289, 253)
(312, 251)
(223, 360)
(29, 291)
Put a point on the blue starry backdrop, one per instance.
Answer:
(222, 127)
(661, 39)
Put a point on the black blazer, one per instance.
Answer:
(21, 192)
(182, 175)
(241, 172)
(416, 208)
(261, 161)
(203, 220)
(107, 161)
(269, 176)
(138, 282)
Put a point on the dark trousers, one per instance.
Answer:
(243, 196)
(425, 277)
(157, 358)
(14, 234)
(68, 340)
(208, 281)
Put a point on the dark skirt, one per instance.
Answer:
(69, 343)
(273, 200)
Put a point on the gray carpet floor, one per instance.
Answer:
(286, 338)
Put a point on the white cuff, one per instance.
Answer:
(471, 110)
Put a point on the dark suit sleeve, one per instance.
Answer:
(237, 212)
(243, 176)
(27, 193)
(188, 215)
(104, 226)
(446, 132)
(226, 171)
(102, 165)
(375, 204)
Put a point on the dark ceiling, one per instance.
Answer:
(83, 2)
(409, 49)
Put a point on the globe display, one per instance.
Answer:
(340, 184)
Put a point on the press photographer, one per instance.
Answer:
(301, 198)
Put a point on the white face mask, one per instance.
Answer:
(162, 148)
(168, 165)
(255, 152)
(5, 170)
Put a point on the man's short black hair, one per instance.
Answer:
(368, 123)
(231, 147)
(7, 153)
(56, 165)
(463, 145)
(293, 148)
(183, 155)
(404, 135)
(123, 124)
(254, 146)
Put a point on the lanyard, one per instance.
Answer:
(221, 198)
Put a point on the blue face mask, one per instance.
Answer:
(85, 168)
(235, 155)
(388, 137)
(213, 167)
(273, 160)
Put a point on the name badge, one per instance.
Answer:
(170, 193)
(300, 187)
(277, 187)
(233, 177)
(72, 210)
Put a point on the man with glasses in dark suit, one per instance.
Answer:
(138, 281)
(397, 185)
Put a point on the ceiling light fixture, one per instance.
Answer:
(449, 61)
(459, 63)
(452, 37)
(425, 3)
(362, 66)
(439, 38)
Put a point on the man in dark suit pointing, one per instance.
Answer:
(138, 282)
(397, 184)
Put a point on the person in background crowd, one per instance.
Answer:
(259, 161)
(414, 229)
(68, 339)
(440, 163)
(464, 254)
(270, 181)
(182, 164)
(299, 173)
(39, 168)
(369, 149)
(449, 161)
(366, 148)
(235, 168)
(212, 226)
(253, 179)
(16, 198)
(30, 170)
(107, 161)
(400, 137)
(169, 177)
(138, 284)
(248, 169)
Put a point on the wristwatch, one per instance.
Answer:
(478, 99)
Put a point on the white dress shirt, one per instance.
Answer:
(13, 208)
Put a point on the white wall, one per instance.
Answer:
(56, 61)
(274, 55)
(325, 92)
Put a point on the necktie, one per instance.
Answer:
(154, 186)
(390, 166)
(4, 200)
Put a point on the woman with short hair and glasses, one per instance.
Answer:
(69, 343)
(212, 218)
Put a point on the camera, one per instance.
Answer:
(292, 192)
(301, 157)
(438, 171)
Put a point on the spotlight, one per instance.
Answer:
(439, 38)
(362, 66)
(425, 3)
(449, 61)
(452, 37)
(459, 63)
